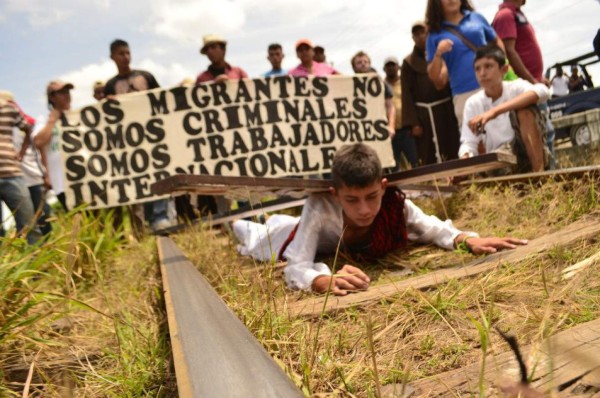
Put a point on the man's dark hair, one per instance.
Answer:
(491, 50)
(274, 46)
(434, 15)
(356, 166)
(116, 44)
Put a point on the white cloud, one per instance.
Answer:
(169, 75)
(83, 79)
(189, 20)
(44, 13)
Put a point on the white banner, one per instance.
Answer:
(270, 127)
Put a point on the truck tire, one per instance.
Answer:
(580, 135)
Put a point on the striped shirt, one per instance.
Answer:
(9, 118)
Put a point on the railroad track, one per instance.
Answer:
(214, 353)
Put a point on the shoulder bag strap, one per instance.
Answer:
(462, 37)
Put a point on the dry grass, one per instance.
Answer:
(115, 343)
(418, 334)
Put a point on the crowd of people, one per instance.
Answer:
(468, 87)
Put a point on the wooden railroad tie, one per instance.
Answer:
(559, 174)
(561, 362)
(579, 230)
(214, 353)
(246, 188)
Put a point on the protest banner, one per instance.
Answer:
(114, 150)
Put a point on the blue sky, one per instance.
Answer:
(68, 39)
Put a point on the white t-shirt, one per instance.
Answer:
(499, 131)
(31, 163)
(560, 85)
(55, 166)
(320, 229)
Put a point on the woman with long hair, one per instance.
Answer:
(455, 31)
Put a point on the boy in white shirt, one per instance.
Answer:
(361, 216)
(503, 114)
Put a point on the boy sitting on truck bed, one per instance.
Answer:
(361, 215)
(503, 115)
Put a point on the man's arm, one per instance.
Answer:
(538, 93)
(437, 69)
(43, 137)
(26, 142)
(430, 229)
(516, 62)
(391, 115)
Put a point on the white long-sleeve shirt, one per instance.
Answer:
(499, 131)
(320, 230)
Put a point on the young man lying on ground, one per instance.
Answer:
(359, 213)
(504, 115)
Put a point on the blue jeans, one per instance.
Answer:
(403, 142)
(14, 193)
(156, 211)
(38, 199)
(550, 134)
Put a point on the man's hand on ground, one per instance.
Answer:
(494, 244)
(347, 279)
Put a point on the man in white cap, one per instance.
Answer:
(13, 190)
(214, 47)
(47, 140)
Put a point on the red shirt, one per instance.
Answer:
(511, 23)
(232, 72)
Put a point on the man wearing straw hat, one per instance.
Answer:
(13, 190)
(215, 47)
(428, 112)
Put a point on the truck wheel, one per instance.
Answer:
(580, 134)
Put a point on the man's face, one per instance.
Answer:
(99, 93)
(361, 205)
(419, 36)
(61, 99)
(391, 70)
(361, 64)
(275, 57)
(215, 52)
(489, 73)
(121, 56)
(305, 53)
(319, 56)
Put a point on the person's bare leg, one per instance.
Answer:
(530, 135)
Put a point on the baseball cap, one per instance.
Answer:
(390, 60)
(57, 85)
(304, 41)
(416, 25)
